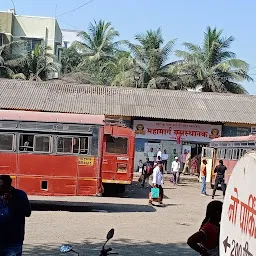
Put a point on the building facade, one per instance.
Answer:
(34, 30)
(172, 136)
(166, 119)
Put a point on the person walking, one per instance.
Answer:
(147, 171)
(186, 168)
(151, 156)
(203, 178)
(220, 178)
(14, 207)
(165, 160)
(175, 170)
(206, 240)
(157, 182)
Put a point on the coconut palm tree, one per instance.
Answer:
(151, 57)
(70, 59)
(212, 66)
(12, 55)
(99, 42)
(40, 64)
(121, 69)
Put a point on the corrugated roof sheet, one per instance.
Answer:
(104, 100)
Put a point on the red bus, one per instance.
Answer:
(64, 154)
(228, 149)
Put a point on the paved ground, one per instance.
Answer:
(139, 229)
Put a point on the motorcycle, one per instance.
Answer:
(103, 252)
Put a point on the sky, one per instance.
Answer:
(185, 20)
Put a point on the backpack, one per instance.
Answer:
(149, 170)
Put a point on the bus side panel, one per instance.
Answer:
(55, 186)
(49, 165)
(89, 167)
(230, 164)
(58, 173)
(87, 187)
(8, 165)
(88, 176)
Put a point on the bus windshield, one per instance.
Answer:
(116, 145)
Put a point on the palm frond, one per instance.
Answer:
(235, 88)
(192, 47)
(166, 51)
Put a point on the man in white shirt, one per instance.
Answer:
(176, 170)
(164, 160)
(151, 156)
(159, 155)
(157, 182)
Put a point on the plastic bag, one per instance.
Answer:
(155, 193)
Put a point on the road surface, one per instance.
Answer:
(139, 229)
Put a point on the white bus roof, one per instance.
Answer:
(231, 139)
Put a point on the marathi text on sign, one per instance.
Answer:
(247, 213)
(173, 131)
(86, 161)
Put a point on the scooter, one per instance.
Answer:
(103, 252)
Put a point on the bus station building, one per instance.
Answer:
(163, 119)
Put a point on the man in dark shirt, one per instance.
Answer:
(220, 178)
(14, 207)
(147, 170)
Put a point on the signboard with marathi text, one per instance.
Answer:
(86, 161)
(238, 222)
(173, 131)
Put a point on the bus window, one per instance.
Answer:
(76, 145)
(218, 153)
(6, 142)
(26, 142)
(42, 143)
(81, 145)
(228, 154)
(84, 145)
(240, 153)
(208, 152)
(222, 153)
(235, 154)
(117, 145)
(64, 145)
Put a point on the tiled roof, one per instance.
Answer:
(99, 100)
